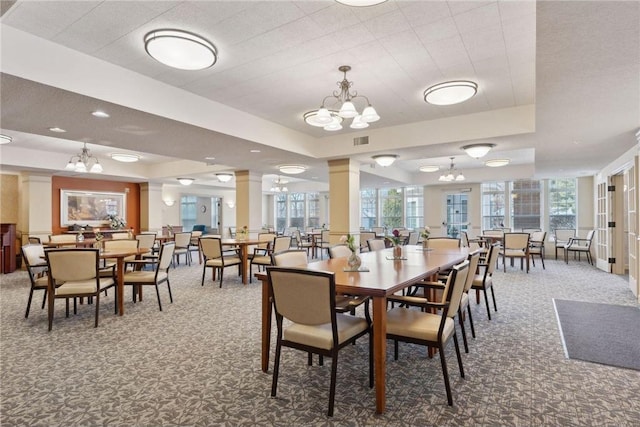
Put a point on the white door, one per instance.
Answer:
(602, 227)
(631, 182)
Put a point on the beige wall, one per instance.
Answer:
(9, 199)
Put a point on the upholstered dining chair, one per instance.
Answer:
(306, 300)
(339, 251)
(483, 281)
(579, 246)
(301, 243)
(35, 240)
(62, 238)
(444, 243)
(211, 248)
(515, 245)
(108, 269)
(194, 246)
(536, 246)
(33, 255)
(159, 275)
(375, 244)
(74, 272)
(120, 236)
(561, 236)
(414, 236)
(324, 244)
(434, 330)
(280, 243)
(182, 240)
(364, 238)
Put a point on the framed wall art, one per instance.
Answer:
(91, 208)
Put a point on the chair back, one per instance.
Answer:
(34, 239)
(120, 245)
(564, 234)
(146, 241)
(196, 234)
(32, 255)
(464, 239)
(62, 238)
(444, 243)
(303, 296)
(537, 236)
(297, 236)
(211, 247)
(474, 260)
(72, 264)
(265, 240)
(339, 251)
(166, 255)
(459, 279)
(119, 236)
(497, 233)
(290, 258)
(378, 231)
(365, 236)
(516, 241)
(281, 243)
(324, 236)
(182, 239)
(375, 244)
(413, 238)
(492, 259)
(590, 235)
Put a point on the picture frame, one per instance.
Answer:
(91, 207)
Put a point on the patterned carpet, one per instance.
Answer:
(197, 363)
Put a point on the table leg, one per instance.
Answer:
(120, 284)
(380, 350)
(266, 324)
(244, 256)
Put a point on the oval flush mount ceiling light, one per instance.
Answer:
(360, 3)
(385, 160)
(186, 181)
(429, 168)
(292, 169)
(5, 139)
(449, 93)
(478, 150)
(224, 177)
(180, 49)
(496, 163)
(126, 158)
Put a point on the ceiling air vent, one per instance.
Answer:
(361, 140)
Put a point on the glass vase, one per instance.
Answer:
(354, 261)
(397, 251)
(425, 244)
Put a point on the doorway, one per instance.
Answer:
(456, 205)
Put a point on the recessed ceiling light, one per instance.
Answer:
(496, 163)
(429, 168)
(126, 158)
(100, 114)
(180, 49)
(449, 93)
(292, 169)
(254, 151)
(5, 139)
(57, 129)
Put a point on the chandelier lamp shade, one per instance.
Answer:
(280, 186)
(339, 105)
(452, 174)
(180, 49)
(496, 163)
(385, 160)
(5, 139)
(478, 150)
(186, 181)
(292, 169)
(84, 162)
(450, 93)
(224, 176)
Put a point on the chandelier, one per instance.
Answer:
(452, 175)
(329, 117)
(279, 185)
(84, 162)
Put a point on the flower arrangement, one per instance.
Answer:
(395, 238)
(116, 222)
(243, 232)
(99, 235)
(425, 233)
(349, 240)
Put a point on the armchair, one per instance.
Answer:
(579, 246)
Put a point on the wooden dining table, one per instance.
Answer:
(119, 256)
(243, 245)
(385, 277)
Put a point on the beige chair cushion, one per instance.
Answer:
(144, 276)
(231, 260)
(83, 286)
(514, 253)
(416, 324)
(321, 336)
(477, 282)
(261, 259)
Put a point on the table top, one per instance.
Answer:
(386, 276)
(246, 241)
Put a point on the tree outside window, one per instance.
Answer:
(296, 210)
(562, 203)
(525, 204)
(392, 207)
(493, 205)
(368, 208)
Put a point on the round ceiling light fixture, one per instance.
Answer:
(5, 139)
(478, 150)
(180, 49)
(101, 114)
(496, 163)
(224, 176)
(292, 169)
(449, 93)
(186, 181)
(360, 3)
(125, 158)
(429, 168)
(385, 160)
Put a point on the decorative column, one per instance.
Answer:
(249, 201)
(35, 212)
(151, 206)
(344, 199)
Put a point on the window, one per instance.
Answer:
(457, 219)
(281, 211)
(368, 208)
(188, 213)
(562, 203)
(296, 210)
(525, 204)
(414, 210)
(313, 209)
(493, 205)
(391, 207)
